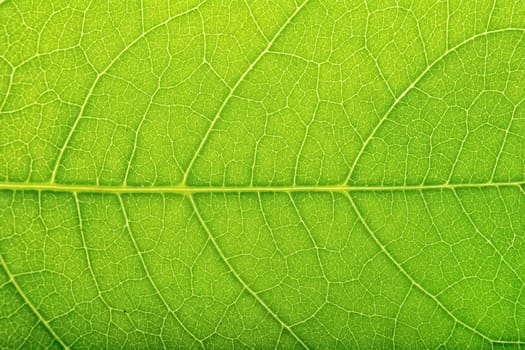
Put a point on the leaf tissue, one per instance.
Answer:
(262, 174)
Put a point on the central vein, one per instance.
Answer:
(185, 189)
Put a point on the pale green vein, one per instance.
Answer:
(487, 239)
(396, 319)
(30, 304)
(97, 79)
(418, 285)
(148, 274)
(239, 278)
(234, 88)
(493, 246)
(309, 232)
(412, 85)
(86, 250)
(88, 257)
(180, 189)
(9, 84)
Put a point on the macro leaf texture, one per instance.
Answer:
(262, 174)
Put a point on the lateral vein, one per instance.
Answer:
(30, 304)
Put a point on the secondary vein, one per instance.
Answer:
(30, 304)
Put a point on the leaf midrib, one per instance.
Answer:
(188, 189)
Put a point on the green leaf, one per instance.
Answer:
(262, 174)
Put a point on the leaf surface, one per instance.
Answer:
(262, 174)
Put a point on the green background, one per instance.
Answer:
(262, 174)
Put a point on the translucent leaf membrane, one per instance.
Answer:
(262, 174)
